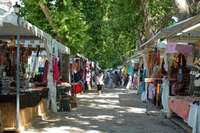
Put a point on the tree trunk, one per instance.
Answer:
(46, 12)
(148, 27)
(182, 9)
(48, 16)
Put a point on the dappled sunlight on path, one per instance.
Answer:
(114, 111)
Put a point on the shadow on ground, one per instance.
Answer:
(112, 112)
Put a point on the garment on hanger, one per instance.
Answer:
(56, 72)
(44, 77)
(152, 91)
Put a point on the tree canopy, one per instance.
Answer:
(107, 31)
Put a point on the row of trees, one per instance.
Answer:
(107, 31)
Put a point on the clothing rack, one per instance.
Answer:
(148, 80)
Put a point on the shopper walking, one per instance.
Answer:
(130, 78)
(99, 82)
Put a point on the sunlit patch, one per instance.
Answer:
(122, 111)
(136, 110)
(53, 120)
(93, 131)
(64, 129)
(102, 106)
(98, 117)
(70, 118)
(94, 126)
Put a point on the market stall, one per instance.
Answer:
(180, 93)
(37, 71)
(184, 89)
(151, 74)
(81, 70)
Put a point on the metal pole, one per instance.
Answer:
(18, 76)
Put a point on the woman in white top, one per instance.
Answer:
(99, 82)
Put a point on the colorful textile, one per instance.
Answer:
(165, 95)
(142, 87)
(44, 76)
(135, 81)
(130, 70)
(194, 118)
(152, 91)
(180, 106)
(56, 71)
(77, 88)
(179, 48)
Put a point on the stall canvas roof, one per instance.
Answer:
(172, 30)
(8, 30)
(62, 48)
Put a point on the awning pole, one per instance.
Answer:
(18, 77)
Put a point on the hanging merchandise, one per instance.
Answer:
(56, 71)
(151, 91)
(165, 95)
(150, 62)
(195, 74)
(180, 75)
(163, 68)
(44, 77)
(179, 48)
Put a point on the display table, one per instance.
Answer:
(32, 104)
(180, 105)
(187, 109)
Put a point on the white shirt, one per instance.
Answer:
(100, 79)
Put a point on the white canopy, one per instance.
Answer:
(29, 34)
(180, 27)
(62, 48)
(8, 28)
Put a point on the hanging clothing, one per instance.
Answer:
(151, 91)
(194, 118)
(44, 77)
(99, 79)
(165, 95)
(144, 86)
(130, 69)
(56, 72)
(129, 85)
(135, 81)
